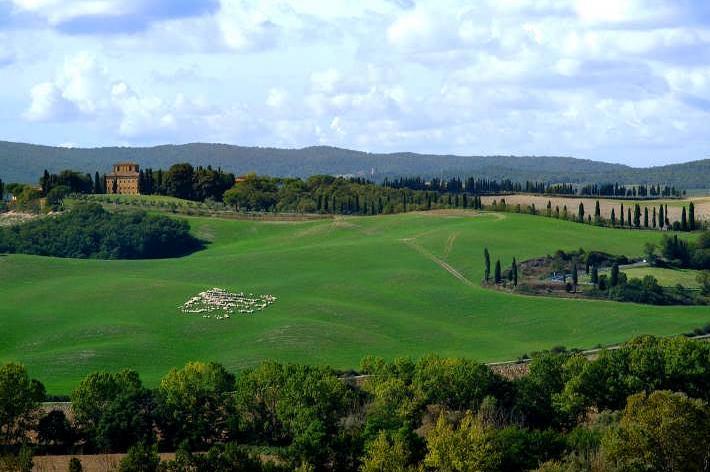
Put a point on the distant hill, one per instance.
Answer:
(21, 162)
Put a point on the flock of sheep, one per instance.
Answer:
(219, 304)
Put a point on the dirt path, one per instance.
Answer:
(444, 265)
(450, 243)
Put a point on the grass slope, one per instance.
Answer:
(347, 288)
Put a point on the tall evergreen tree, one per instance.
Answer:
(580, 212)
(655, 223)
(497, 274)
(597, 213)
(487, 262)
(661, 217)
(549, 208)
(645, 217)
(97, 183)
(683, 220)
(613, 217)
(575, 276)
(621, 215)
(637, 215)
(595, 275)
(614, 279)
(514, 269)
(691, 216)
(628, 216)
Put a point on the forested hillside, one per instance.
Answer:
(24, 162)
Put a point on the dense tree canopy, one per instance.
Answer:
(89, 231)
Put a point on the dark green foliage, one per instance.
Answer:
(227, 458)
(140, 458)
(497, 278)
(580, 212)
(89, 231)
(514, 272)
(76, 182)
(194, 405)
(295, 406)
(681, 253)
(57, 195)
(683, 221)
(637, 215)
(113, 411)
(55, 433)
(19, 398)
(643, 364)
(75, 465)
(487, 264)
(645, 217)
(524, 449)
(614, 278)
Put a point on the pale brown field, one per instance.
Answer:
(89, 463)
(702, 205)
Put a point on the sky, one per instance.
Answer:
(615, 80)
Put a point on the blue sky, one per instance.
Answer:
(616, 80)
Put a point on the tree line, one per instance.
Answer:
(480, 186)
(639, 407)
(336, 195)
(653, 218)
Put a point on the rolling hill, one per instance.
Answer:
(25, 162)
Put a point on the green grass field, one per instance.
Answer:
(347, 288)
(667, 277)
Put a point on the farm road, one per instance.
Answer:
(447, 267)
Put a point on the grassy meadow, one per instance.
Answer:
(347, 287)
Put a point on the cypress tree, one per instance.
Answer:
(654, 217)
(683, 221)
(97, 183)
(668, 221)
(691, 216)
(496, 275)
(487, 262)
(595, 275)
(45, 182)
(628, 216)
(549, 208)
(621, 215)
(597, 213)
(661, 217)
(645, 217)
(613, 217)
(575, 276)
(614, 280)
(580, 212)
(557, 212)
(637, 215)
(515, 273)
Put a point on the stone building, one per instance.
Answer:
(124, 179)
